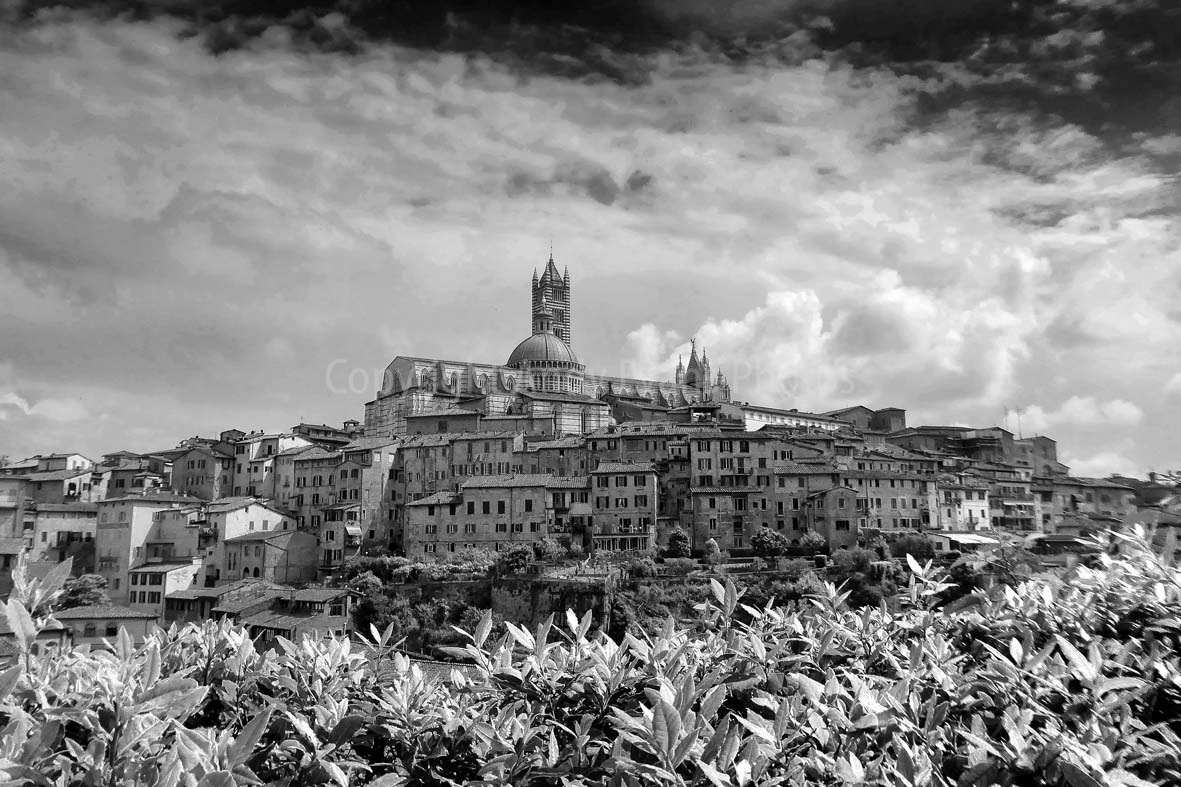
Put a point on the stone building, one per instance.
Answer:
(487, 512)
(542, 385)
(13, 490)
(121, 535)
(962, 504)
(835, 513)
(281, 556)
(203, 472)
(64, 530)
(623, 506)
(1065, 498)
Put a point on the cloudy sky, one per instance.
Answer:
(234, 214)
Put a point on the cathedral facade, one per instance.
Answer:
(543, 383)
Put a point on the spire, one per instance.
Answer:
(566, 274)
(535, 277)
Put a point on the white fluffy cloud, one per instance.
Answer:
(1079, 411)
(1104, 464)
(226, 227)
(51, 409)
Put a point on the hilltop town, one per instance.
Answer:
(457, 457)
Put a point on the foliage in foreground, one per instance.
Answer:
(1071, 681)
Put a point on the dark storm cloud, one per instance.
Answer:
(1109, 66)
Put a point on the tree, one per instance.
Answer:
(84, 591)
(712, 552)
(514, 559)
(813, 540)
(367, 584)
(918, 546)
(768, 543)
(548, 550)
(678, 544)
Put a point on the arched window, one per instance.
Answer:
(256, 572)
(245, 573)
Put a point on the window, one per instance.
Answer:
(620, 480)
(112, 630)
(528, 506)
(641, 501)
(500, 507)
(486, 507)
(621, 502)
(471, 507)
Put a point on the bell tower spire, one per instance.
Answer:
(553, 290)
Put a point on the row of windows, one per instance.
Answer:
(724, 446)
(470, 527)
(144, 597)
(603, 481)
(640, 501)
(453, 546)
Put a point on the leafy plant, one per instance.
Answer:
(1063, 681)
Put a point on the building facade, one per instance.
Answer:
(543, 382)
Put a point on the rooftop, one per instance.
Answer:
(58, 475)
(227, 504)
(162, 568)
(102, 612)
(162, 498)
(503, 481)
(316, 453)
(259, 586)
(85, 508)
(625, 467)
(575, 482)
(261, 535)
(437, 499)
(369, 443)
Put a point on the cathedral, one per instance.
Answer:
(543, 386)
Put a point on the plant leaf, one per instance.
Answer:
(21, 624)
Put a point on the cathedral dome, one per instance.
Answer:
(542, 347)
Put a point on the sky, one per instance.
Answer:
(235, 214)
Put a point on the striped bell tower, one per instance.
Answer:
(551, 292)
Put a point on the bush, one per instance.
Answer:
(768, 543)
(1071, 681)
(917, 546)
(679, 544)
(514, 559)
(641, 567)
(680, 566)
(813, 540)
(713, 553)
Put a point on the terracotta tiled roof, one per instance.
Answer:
(625, 467)
(504, 481)
(437, 499)
(102, 611)
(575, 482)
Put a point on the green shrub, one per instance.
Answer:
(1070, 681)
